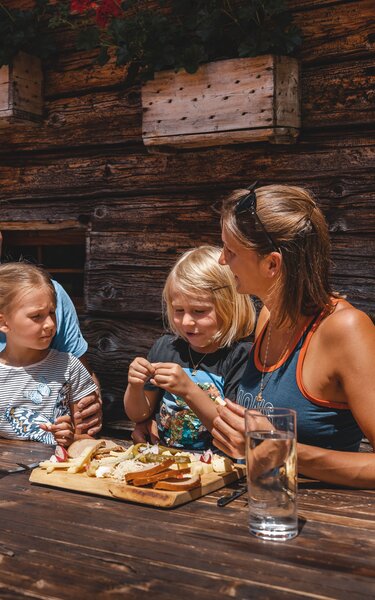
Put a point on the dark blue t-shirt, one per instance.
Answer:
(219, 374)
(317, 424)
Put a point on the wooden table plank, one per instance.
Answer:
(57, 544)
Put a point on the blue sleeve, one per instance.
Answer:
(68, 336)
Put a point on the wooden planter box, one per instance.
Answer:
(21, 90)
(224, 102)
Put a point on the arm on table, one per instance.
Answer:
(351, 350)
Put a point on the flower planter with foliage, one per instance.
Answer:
(21, 90)
(150, 36)
(224, 102)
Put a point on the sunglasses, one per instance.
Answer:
(248, 204)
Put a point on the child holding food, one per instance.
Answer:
(38, 385)
(187, 373)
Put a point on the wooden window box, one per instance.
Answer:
(224, 102)
(21, 90)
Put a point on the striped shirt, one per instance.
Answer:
(39, 393)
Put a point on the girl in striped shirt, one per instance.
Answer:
(39, 386)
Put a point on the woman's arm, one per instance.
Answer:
(348, 348)
(353, 469)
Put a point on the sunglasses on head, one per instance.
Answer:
(248, 204)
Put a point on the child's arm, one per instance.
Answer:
(140, 405)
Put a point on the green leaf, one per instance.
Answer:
(88, 38)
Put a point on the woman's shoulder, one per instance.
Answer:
(346, 324)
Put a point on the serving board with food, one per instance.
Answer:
(144, 473)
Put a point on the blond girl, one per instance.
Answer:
(38, 385)
(201, 361)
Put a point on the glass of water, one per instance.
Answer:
(271, 461)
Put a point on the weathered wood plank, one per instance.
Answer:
(113, 344)
(101, 117)
(338, 94)
(102, 172)
(335, 31)
(126, 273)
(123, 560)
(346, 202)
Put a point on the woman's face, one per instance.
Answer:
(245, 265)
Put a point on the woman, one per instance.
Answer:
(314, 352)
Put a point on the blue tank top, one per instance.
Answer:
(319, 423)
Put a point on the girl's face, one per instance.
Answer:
(31, 321)
(196, 320)
(245, 264)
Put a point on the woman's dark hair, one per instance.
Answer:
(289, 216)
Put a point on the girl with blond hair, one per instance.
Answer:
(188, 371)
(39, 386)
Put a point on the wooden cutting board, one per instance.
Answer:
(80, 482)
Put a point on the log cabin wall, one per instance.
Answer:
(85, 167)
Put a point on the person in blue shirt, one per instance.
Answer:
(68, 338)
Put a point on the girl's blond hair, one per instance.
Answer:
(19, 277)
(197, 272)
(299, 230)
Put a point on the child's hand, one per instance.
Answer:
(171, 377)
(145, 431)
(140, 370)
(62, 430)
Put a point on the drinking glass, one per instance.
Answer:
(271, 461)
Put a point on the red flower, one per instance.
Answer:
(81, 6)
(107, 10)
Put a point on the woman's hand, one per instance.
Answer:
(140, 370)
(62, 430)
(147, 431)
(229, 429)
(171, 377)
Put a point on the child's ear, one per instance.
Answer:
(3, 324)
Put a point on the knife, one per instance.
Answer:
(224, 500)
(26, 467)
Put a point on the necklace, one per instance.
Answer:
(195, 367)
(263, 384)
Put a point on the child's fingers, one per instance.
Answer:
(63, 419)
(64, 438)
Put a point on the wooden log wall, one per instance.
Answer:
(85, 166)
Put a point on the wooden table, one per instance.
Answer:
(56, 544)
